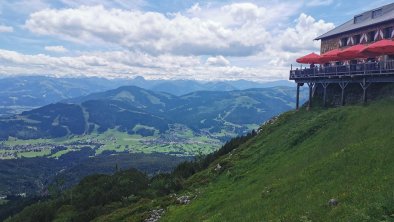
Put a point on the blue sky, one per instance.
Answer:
(173, 39)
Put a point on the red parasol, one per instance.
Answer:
(309, 59)
(382, 47)
(331, 56)
(353, 52)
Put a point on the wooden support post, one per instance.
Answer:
(364, 85)
(298, 97)
(325, 85)
(343, 86)
(314, 90)
(380, 67)
(310, 85)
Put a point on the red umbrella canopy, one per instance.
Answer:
(353, 52)
(382, 47)
(331, 56)
(309, 59)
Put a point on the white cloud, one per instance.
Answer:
(233, 41)
(287, 45)
(301, 37)
(244, 12)
(319, 2)
(55, 48)
(125, 4)
(156, 33)
(195, 9)
(4, 28)
(22, 7)
(126, 64)
(217, 61)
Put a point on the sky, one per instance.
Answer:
(168, 39)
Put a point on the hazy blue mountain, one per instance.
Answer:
(23, 93)
(126, 107)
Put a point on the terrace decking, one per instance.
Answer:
(362, 73)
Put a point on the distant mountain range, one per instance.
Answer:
(98, 132)
(24, 93)
(139, 111)
(112, 125)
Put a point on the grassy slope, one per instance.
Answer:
(291, 170)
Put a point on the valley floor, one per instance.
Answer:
(179, 141)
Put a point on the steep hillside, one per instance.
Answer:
(287, 172)
(291, 170)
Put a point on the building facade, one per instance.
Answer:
(364, 28)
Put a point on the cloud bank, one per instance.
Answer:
(4, 28)
(55, 48)
(231, 41)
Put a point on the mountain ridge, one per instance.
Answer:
(22, 93)
(127, 106)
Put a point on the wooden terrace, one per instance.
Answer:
(361, 73)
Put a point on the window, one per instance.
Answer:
(358, 18)
(357, 39)
(387, 32)
(344, 41)
(376, 13)
(371, 36)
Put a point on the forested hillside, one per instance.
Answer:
(138, 111)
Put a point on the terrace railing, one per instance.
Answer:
(361, 69)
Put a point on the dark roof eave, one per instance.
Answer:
(352, 30)
(323, 35)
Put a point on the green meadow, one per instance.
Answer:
(293, 168)
(176, 142)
